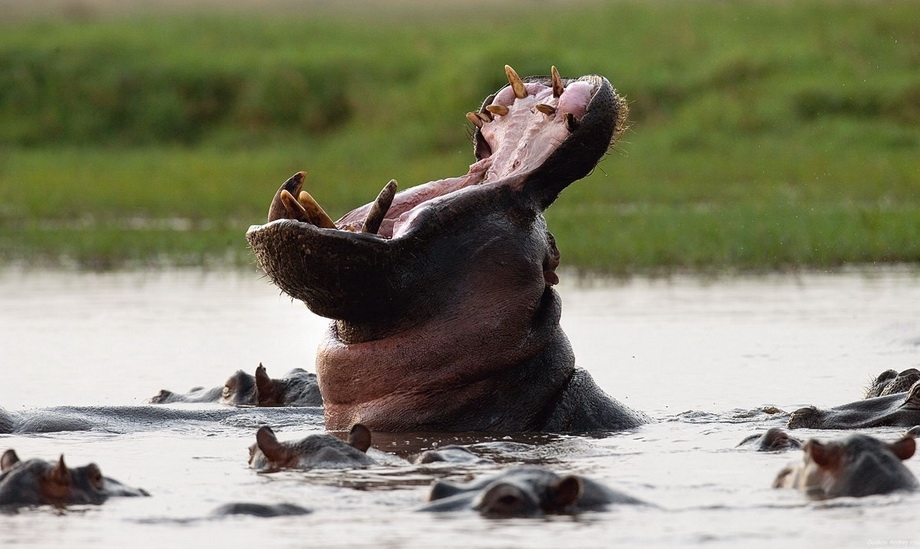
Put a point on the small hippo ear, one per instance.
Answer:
(8, 460)
(903, 448)
(825, 456)
(268, 443)
(360, 437)
(566, 491)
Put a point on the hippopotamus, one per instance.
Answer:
(773, 440)
(856, 466)
(524, 491)
(313, 452)
(893, 410)
(297, 388)
(444, 316)
(40, 482)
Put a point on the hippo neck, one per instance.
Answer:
(505, 365)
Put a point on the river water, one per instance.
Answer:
(704, 358)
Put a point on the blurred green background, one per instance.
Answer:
(765, 135)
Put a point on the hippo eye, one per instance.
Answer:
(94, 475)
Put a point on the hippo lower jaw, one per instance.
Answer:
(444, 315)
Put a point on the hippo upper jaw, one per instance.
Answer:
(532, 138)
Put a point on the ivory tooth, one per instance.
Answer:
(314, 212)
(500, 110)
(293, 209)
(520, 91)
(379, 209)
(558, 86)
(474, 118)
(570, 122)
(485, 116)
(293, 185)
(546, 109)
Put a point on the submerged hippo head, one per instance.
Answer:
(856, 466)
(892, 410)
(40, 482)
(313, 452)
(524, 491)
(444, 315)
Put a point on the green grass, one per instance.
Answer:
(765, 135)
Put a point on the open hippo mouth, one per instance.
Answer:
(444, 289)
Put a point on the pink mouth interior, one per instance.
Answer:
(520, 141)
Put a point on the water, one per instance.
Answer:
(701, 357)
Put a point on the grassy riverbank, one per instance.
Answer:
(766, 135)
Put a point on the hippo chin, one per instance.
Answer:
(444, 315)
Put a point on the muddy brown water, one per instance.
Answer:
(703, 357)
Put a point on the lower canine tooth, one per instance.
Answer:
(546, 109)
(379, 209)
(292, 207)
(471, 116)
(313, 212)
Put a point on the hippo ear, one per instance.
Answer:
(268, 443)
(825, 456)
(8, 460)
(566, 491)
(360, 437)
(903, 448)
(266, 388)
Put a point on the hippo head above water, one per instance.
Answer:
(444, 315)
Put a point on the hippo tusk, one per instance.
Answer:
(379, 209)
(546, 109)
(558, 86)
(278, 209)
(292, 208)
(474, 118)
(315, 213)
(520, 91)
(500, 110)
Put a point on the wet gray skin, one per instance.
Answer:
(444, 315)
(261, 510)
(890, 382)
(268, 454)
(894, 410)
(774, 440)
(296, 388)
(40, 482)
(524, 491)
(855, 466)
